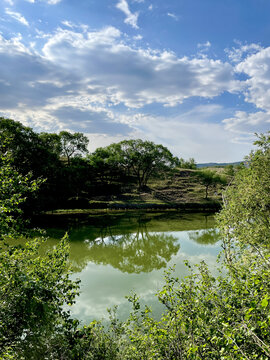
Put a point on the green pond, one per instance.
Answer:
(114, 254)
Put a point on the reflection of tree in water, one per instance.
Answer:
(207, 236)
(133, 252)
(132, 242)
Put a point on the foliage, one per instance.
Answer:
(106, 164)
(187, 164)
(73, 144)
(142, 159)
(206, 318)
(229, 170)
(27, 150)
(209, 179)
(14, 189)
(42, 155)
(33, 289)
(33, 292)
(245, 218)
(51, 141)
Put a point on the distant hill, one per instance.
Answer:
(217, 164)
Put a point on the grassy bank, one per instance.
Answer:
(180, 190)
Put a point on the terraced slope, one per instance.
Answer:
(182, 189)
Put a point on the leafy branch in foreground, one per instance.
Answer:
(245, 218)
(33, 292)
(33, 288)
(14, 189)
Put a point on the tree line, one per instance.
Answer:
(73, 176)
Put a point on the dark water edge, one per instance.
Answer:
(196, 207)
(156, 220)
(207, 206)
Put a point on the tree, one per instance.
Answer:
(106, 164)
(142, 159)
(24, 145)
(29, 151)
(73, 144)
(52, 142)
(40, 154)
(210, 179)
(14, 189)
(187, 164)
(245, 218)
(229, 171)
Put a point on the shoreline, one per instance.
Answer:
(151, 207)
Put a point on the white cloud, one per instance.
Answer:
(175, 17)
(257, 68)
(13, 46)
(131, 19)
(207, 44)
(202, 140)
(137, 37)
(50, 2)
(247, 124)
(17, 16)
(53, 2)
(150, 7)
(10, 2)
(204, 46)
(237, 54)
(134, 76)
(68, 24)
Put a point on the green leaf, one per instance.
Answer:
(264, 302)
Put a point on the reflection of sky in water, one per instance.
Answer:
(103, 286)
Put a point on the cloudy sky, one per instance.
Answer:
(192, 75)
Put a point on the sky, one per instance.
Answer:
(191, 75)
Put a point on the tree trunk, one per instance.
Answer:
(206, 191)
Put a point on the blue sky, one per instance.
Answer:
(193, 75)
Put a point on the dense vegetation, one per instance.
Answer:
(206, 317)
(116, 174)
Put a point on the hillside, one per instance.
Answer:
(181, 190)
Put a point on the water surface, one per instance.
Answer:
(115, 253)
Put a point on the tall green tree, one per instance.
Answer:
(24, 146)
(73, 144)
(245, 218)
(210, 179)
(142, 159)
(187, 164)
(14, 189)
(52, 142)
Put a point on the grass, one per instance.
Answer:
(179, 190)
